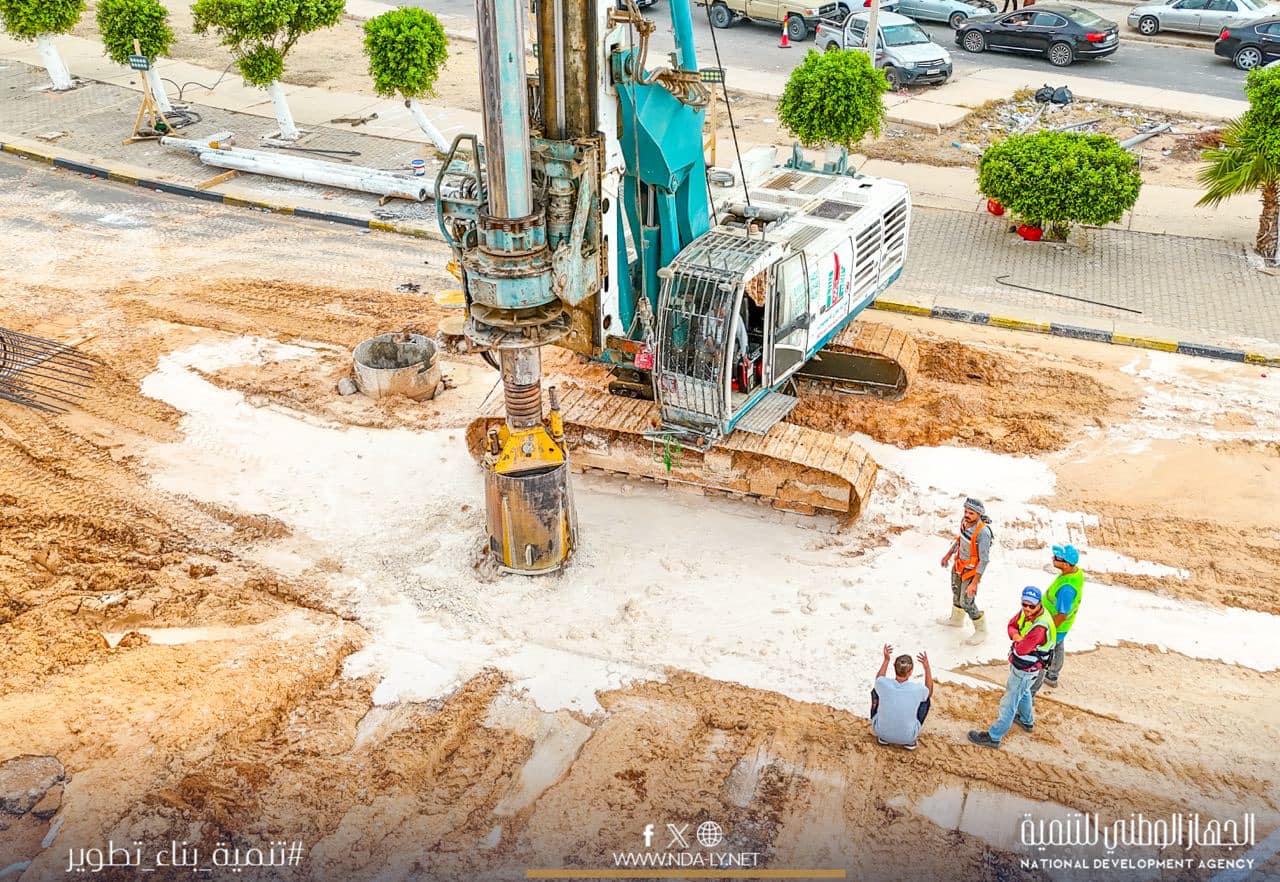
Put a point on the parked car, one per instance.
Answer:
(801, 18)
(1191, 16)
(903, 51)
(953, 12)
(1250, 44)
(1063, 34)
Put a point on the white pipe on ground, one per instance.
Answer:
(288, 129)
(424, 123)
(157, 89)
(310, 171)
(52, 61)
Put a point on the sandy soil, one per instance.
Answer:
(204, 571)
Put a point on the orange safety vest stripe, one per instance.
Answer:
(967, 567)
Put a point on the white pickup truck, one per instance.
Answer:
(903, 51)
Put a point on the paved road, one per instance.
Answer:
(1141, 64)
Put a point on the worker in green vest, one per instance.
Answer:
(1062, 600)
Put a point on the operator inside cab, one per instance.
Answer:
(748, 336)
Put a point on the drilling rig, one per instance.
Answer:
(584, 220)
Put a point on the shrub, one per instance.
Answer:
(260, 33)
(28, 19)
(1060, 179)
(122, 21)
(833, 98)
(406, 49)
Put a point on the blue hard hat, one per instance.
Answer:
(1031, 594)
(1067, 553)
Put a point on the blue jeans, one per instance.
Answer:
(1017, 700)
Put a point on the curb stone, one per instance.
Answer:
(122, 177)
(937, 312)
(1095, 335)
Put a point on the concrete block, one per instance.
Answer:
(968, 92)
(927, 115)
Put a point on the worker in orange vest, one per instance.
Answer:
(967, 557)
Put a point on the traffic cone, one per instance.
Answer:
(785, 42)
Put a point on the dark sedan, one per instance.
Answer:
(1250, 45)
(1061, 33)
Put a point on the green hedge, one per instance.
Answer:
(28, 19)
(122, 21)
(833, 98)
(406, 49)
(1060, 178)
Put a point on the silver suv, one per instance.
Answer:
(904, 51)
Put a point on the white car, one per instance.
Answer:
(904, 51)
(1191, 16)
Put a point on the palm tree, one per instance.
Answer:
(1249, 159)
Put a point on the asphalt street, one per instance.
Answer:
(1137, 63)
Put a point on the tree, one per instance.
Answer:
(833, 98)
(122, 21)
(406, 49)
(1060, 179)
(1249, 158)
(39, 20)
(260, 34)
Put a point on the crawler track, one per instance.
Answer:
(790, 467)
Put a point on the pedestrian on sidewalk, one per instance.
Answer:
(899, 706)
(1033, 636)
(971, 552)
(1007, 4)
(1062, 600)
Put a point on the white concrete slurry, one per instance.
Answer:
(662, 578)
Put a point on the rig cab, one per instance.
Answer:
(754, 301)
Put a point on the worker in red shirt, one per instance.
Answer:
(1034, 636)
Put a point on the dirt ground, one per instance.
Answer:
(203, 663)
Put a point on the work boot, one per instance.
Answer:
(979, 631)
(956, 619)
(983, 739)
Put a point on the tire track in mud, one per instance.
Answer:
(1231, 565)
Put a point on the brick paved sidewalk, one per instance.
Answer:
(1201, 291)
(1183, 288)
(93, 119)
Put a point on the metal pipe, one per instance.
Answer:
(500, 29)
(682, 27)
(329, 174)
(557, 12)
(311, 171)
(549, 51)
(1143, 136)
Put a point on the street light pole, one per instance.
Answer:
(873, 31)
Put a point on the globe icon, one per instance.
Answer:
(709, 834)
